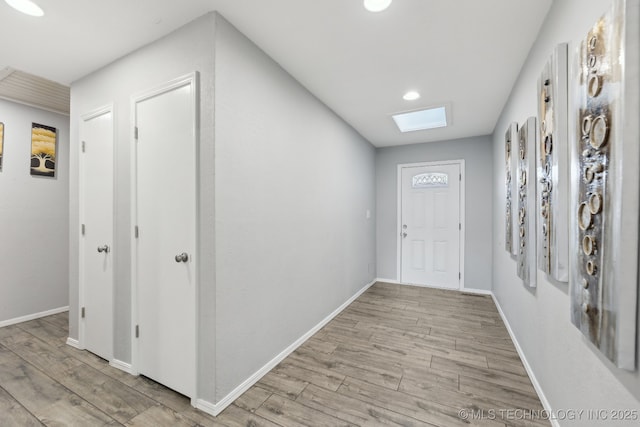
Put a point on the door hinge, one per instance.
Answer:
(135, 132)
(460, 177)
(136, 232)
(137, 331)
(83, 229)
(82, 313)
(459, 276)
(460, 226)
(83, 146)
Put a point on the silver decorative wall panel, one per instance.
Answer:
(527, 202)
(553, 167)
(511, 205)
(605, 177)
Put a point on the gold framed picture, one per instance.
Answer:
(43, 150)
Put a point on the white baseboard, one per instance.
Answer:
(467, 290)
(118, 364)
(392, 281)
(476, 291)
(209, 407)
(215, 408)
(33, 316)
(525, 362)
(73, 343)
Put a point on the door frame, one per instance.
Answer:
(401, 166)
(105, 109)
(191, 79)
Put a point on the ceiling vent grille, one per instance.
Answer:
(25, 88)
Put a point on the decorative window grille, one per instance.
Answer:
(430, 180)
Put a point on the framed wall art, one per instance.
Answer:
(605, 175)
(553, 167)
(1, 143)
(510, 158)
(43, 150)
(526, 177)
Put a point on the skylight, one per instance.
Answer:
(420, 120)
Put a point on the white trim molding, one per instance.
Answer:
(118, 364)
(72, 342)
(462, 290)
(462, 207)
(33, 316)
(525, 362)
(215, 408)
(193, 80)
(95, 113)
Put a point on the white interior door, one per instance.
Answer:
(430, 226)
(96, 160)
(165, 248)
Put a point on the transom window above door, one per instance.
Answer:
(433, 179)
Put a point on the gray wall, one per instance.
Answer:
(477, 153)
(34, 255)
(188, 49)
(573, 375)
(285, 221)
(293, 184)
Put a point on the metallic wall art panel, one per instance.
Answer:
(605, 174)
(1, 143)
(553, 167)
(526, 177)
(510, 163)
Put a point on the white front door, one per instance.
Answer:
(165, 265)
(430, 227)
(96, 163)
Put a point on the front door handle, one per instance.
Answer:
(183, 257)
(104, 249)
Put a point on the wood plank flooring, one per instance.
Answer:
(398, 355)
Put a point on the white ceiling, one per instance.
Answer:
(465, 53)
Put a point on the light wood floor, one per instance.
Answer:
(396, 356)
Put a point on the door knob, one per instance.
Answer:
(183, 257)
(404, 235)
(104, 249)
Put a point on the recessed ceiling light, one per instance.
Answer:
(420, 120)
(26, 6)
(411, 96)
(376, 5)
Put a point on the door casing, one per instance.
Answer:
(459, 162)
(193, 80)
(107, 109)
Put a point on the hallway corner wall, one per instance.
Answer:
(187, 49)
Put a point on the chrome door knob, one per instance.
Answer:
(183, 257)
(104, 249)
